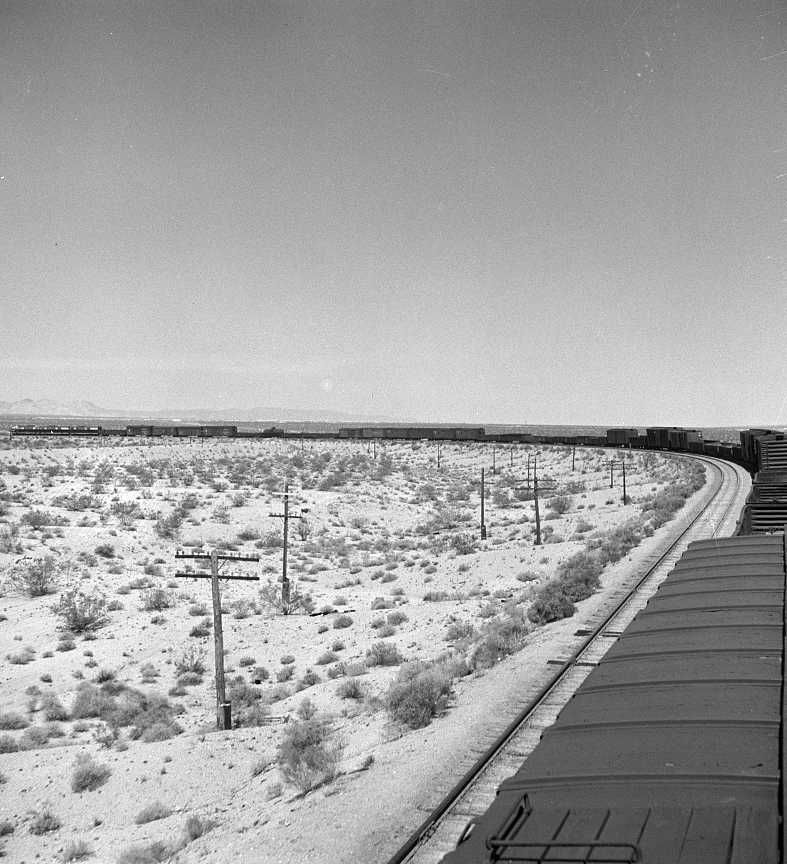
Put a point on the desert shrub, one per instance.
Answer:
(342, 621)
(308, 679)
(76, 850)
(201, 629)
(168, 527)
(248, 709)
(528, 576)
(418, 693)
(52, 708)
(35, 578)
(150, 716)
(152, 812)
(500, 637)
(80, 612)
(285, 674)
(34, 737)
(152, 853)
(155, 600)
(458, 630)
(396, 618)
(560, 504)
(436, 596)
(579, 576)
(13, 720)
(380, 603)
(463, 544)
(350, 688)
(8, 744)
(383, 654)
(9, 539)
(308, 756)
(88, 774)
(197, 609)
(270, 596)
(192, 660)
(23, 657)
(247, 661)
(327, 657)
(42, 518)
(105, 550)
(550, 604)
(336, 671)
(386, 630)
(197, 826)
(44, 822)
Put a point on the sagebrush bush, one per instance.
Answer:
(13, 720)
(248, 709)
(44, 822)
(418, 693)
(156, 600)
(35, 578)
(152, 812)
(80, 612)
(192, 660)
(308, 755)
(350, 688)
(500, 637)
(550, 604)
(76, 850)
(383, 654)
(88, 774)
(53, 708)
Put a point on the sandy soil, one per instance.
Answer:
(395, 528)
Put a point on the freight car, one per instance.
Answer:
(66, 431)
(670, 751)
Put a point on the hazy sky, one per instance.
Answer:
(556, 211)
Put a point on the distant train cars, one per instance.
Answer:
(435, 433)
(187, 431)
(46, 431)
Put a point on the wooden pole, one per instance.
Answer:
(535, 497)
(223, 720)
(494, 466)
(573, 454)
(623, 463)
(483, 524)
(285, 582)
(611, 473)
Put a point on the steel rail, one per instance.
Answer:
(429, 825)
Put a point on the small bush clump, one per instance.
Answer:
(88, 774)
(308, 756)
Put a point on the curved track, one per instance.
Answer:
(441, 830)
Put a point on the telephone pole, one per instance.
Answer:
(573, 454)
(438, 455)
(223, 708)
(286, 516)
(535, 499)
(483, 524)
(494, 467)
(622, 463)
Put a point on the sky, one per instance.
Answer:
(536, 211)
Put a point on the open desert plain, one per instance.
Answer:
(405, 639)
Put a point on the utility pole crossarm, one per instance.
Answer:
(222, 556)
(187, 575)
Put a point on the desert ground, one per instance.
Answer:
(405, 627)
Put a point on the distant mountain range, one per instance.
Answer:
(85, 409)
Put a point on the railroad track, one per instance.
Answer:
(471, 797)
